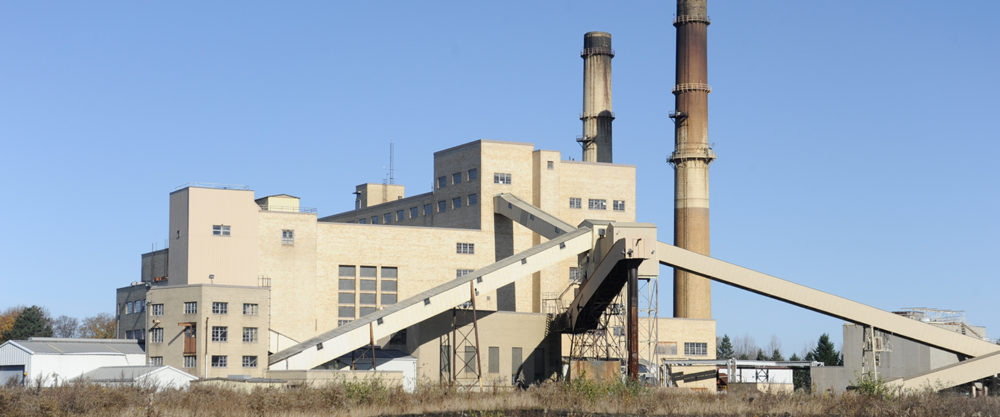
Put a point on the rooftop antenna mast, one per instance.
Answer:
(392, 163)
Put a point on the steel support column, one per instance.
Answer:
(633, 323)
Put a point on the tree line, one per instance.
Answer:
(20, 323)
(746, 349)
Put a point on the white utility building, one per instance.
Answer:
(53, 361)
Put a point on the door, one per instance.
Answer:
(11, 374)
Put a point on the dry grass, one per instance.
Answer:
(368, 399)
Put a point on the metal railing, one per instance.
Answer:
(218, 186)
(287, 209)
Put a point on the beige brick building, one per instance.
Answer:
(244, 276)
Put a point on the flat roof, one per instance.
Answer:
(65, 346)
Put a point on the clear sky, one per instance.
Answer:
(857, 140)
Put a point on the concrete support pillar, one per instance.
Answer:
(692, 155)
(632, 326)
(597, 115)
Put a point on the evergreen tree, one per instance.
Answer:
(825, 352)
(725, 349)
(33, 321)
(761, 356)
(801, 379)
(776, 355)
(794, 358)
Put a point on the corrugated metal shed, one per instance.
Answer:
(59, 346)
(11, 354)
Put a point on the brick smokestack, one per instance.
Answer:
(597, 115)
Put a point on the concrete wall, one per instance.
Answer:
(154, 265)
(196, 253)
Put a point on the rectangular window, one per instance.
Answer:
(387, 217)
(389, 272)
(287, 237)
(428, 209)
(190, 307)
(220, 229)
(128, 307)
(366, 298)
(220, 333)
(342, 322)
(343, 311)
(473, 199)
(595, 204)
(414, 212)
(574, 275)
(515, 360)
(551, 165)
(470, 359)
(140, 306)
(501, 178)
(220, 307)
(368, 272)
(219, 361)
(368, 285)
(389, 285)
(129, 335)
(346, 284)
(249, 361)
(346, 271)
(249, 335)
(156, 335)
(141, 335)
(375, 220)
(400, 215)
(462, 272)
(190, 361)
(574, 202)
(388, 299)
(469, 248)
(345, 298)
(456, 178)
(363, 221)
(442, 181)
(494, 359)
(250, 309)
(442, 206)
(695, 349)
(618, 205)
(666, 348)
(156, 361)
(156, 309)
(456, 203)
(366, 310)
(473, 174)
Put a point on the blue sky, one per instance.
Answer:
(856, 139)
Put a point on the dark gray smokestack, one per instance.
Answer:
(597, 115)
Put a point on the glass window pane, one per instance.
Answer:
(388, 272)
(388, 299)
(389, 286)
(367, 272)
(368, 285)
(366, 298)
(346, 271)
(346, 298)
(345, 311)
(346, 284)
(367, 310)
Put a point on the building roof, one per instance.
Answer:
(128, 373)
(59, 346)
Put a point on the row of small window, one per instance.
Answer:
(136, 334)
(596, 204)
(467, 361)
(218, 361)
(287, 235)
(219, 334)
(366, 298)
(456, 178)
(218, 307)
(400, 215)
(690, 348)
(131, 307)
(466, 248)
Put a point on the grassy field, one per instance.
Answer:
(552, 399)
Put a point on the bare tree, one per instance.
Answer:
(744, 347)
(101, 326)
(65, 326)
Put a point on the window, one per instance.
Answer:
(141, 335)
(366, 310)
(501, 178)
(342, 322)
(366, 298)
(388, 299)
(456, 203)
(695, 349)
(551, 165)
(156, 309)
(219, 361)
(287, 237)
(400, 215)
(346, 271)
(128, 307)
(428, 209)
(473, 174)
(363, 221)
(442, 181)
(595, 204)
(414, 212)
(574, 202)
(220, 333)
(456, 178)
(346, 284)
(374, 219)
(250, 309)
(494, 359)
(618, 205)
(140, 306)
(220, 307)
(473, 199)
(470, 359)
(442, 206)
(190, 361)
(129, 335)
(389, 272)
(345, 298)
(462, 272)
(574, 275)
(389, 285)
(515, 360)
(249, 361)
(469, 248)
(156, 335)
(387, 217)
(190, 307)
(156, 361)
(343, 311)
(220, 229)
(249, 335)
(666, 348)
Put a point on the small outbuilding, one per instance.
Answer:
(51, 361)
(159, 377)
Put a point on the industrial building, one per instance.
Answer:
(519, 265)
